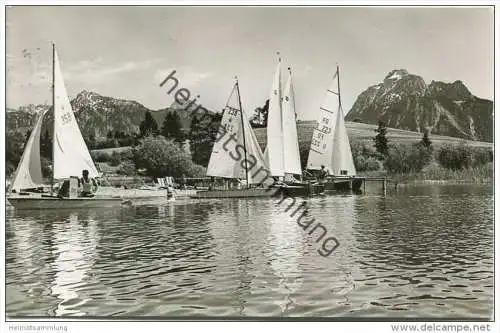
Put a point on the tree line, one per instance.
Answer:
(168, 142)
(190, 149)
(413, 158)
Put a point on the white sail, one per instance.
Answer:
(71, 155)
(255, 157)
(330, 144)
(221, 163)
(274, 149)
(228, 154)
(29, 170)
(321, 151)
(342, 162)
(291, 154)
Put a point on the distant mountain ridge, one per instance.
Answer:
(402, 101)
(24, 117)
(97, 115)
(405, 101)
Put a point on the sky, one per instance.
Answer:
(126, 52)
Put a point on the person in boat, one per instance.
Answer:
(183, 182)
(322, 174)
(88, 185)
(307, 175)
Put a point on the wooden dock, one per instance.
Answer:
(381, 180)
(333, 184)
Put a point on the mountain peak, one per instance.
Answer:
(456, 90)
(396, 74)
(97, 115)
(86, 98)
(85, 94)
(405, 101)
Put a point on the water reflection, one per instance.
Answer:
(75, 246)
(286, 243)
(28, 252)
(229, 229)
(425, 246)
(422, 252)
(244, 256)
(61, 248)
(334, 274)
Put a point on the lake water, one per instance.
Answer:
(425, 251)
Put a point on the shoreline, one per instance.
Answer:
(442, 182)
(483, 174)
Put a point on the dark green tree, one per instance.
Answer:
(46, 165)
(260, 116)
(172, 127)
(28, 133)
(148, 126)
(404, 158)
(162, 157)
(202, 135)
(127, 168)
(14, 143)
(46, 145)
(455, 157)
(426, 142)
(381, 139)
(115, 159)
(90, 141)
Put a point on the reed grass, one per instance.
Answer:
(436, 173)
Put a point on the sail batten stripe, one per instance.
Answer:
(322, 108)
(333, 92)
(316, 151)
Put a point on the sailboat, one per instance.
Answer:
(274, 150)
(291, 153)
(236, 157)
(70, 156)
(330, 143)
(282, 151)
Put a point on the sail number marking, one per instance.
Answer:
(66, 118)
(315, 143)
(229, 127)
(325, 129)
(232, 112)
(319, 138)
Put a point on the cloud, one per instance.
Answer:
(303, 70)
(23, 71)
(96, 71)
(26, 71)
(187, 76)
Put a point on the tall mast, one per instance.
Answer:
(53, 112)
(292, 94)
(338, 87)
(243, 132)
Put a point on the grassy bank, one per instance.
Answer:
(437, 174)
(366, 132)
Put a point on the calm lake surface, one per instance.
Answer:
(425, 251)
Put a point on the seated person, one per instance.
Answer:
(88, 185)
(322, 174)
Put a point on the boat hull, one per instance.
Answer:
(302, 189)
(57, 203)
(133, 194)
(243, 193)
(344, 185)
